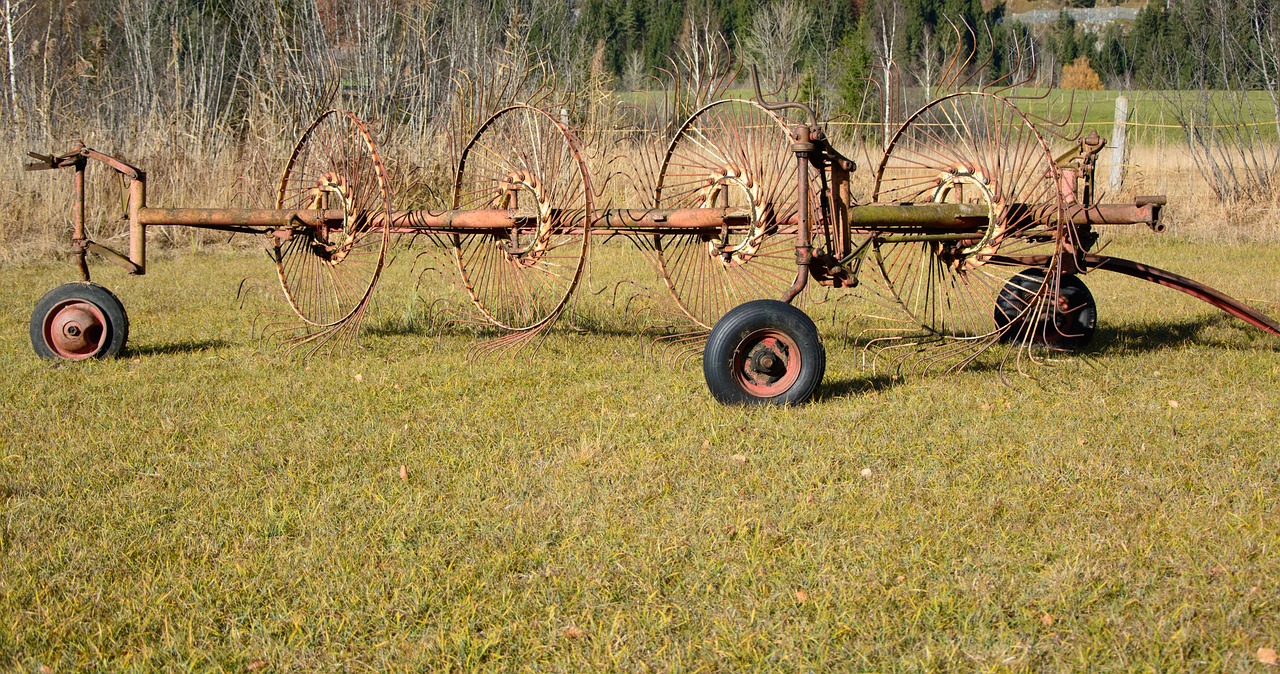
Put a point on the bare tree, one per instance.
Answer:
(929, 59)
(1232, 152)
(13, 16)
(701, 50)
(633, 71)
(886, 20)
(1265, 58)
(777, 38)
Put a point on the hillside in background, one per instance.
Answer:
(1018, 6)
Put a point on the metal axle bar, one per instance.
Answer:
(938, 218)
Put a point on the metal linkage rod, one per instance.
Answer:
(238, 219)
(451, 221)
(888, 218)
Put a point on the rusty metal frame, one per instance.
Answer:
(843, 221)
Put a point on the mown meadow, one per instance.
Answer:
(212, 502)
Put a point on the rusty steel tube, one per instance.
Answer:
(804, 249)
(934, 218)
(78, 237)
(1116, 214)
(137, 228)
(219, 218)
(632, 220)
(639, 220)
(918, 217)
(658, 221)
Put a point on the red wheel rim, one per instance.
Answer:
(75, 330)
(767, 363)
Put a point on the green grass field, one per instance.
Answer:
(1153, 114)
(210, 503)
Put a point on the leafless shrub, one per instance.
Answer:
(1231, 138)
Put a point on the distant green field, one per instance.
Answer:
(1153, 115)
(209, 503)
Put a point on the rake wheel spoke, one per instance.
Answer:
(731, 154)
(975, 148)
(328, 277)
(523, 158)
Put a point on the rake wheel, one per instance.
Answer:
(523, 160)
(731, 154)
(77, 321)
(328, 275)
(1068, 324)
(977, 148)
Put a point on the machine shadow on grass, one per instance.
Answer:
(170, 348)
(1214, 330)
(832, 389)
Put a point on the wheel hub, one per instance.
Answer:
(331, 188)
(767, 363)
(965, 183)
(75, 330)
(525, 245)
(724, 182)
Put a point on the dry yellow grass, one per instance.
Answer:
(190, 172)
(1194, 213)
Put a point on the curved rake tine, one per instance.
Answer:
(952, 60)
(246, 284)
(996, 86)
(982, 68)
(678, 349)
(507, 344)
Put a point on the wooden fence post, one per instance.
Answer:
(1117, 145)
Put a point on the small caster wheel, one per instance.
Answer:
(1067, 319)
(764, 352)
(77, 321)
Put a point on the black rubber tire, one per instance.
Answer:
(736, 330)
(1070, 327)
(116, 325)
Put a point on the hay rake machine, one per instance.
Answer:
(975, 231)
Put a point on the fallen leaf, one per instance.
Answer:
(574, 632)
(706, 444)
(359, 377)
(1267, 656)
(1173, 404)
(256, 665)
(900, 579)
(740, 458)
(1046, 619)
(866, 472)
(1082, 442)
(404, 472)
(802, 596)
(1155, 374)
(44, 669)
